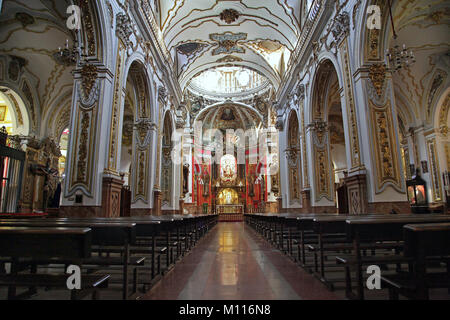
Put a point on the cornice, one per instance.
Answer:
(149, 29)
(319, 15)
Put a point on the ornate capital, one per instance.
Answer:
(279, 125)
(124, 27)
(292, 156)
(162, 93)
(341, 26)
(180, 116)
(377, 75)
(301, 91)
(320, 128)
(89, 74)
(143, 128)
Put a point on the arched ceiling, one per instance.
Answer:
(201, 34)
(423, 26)
(31, 32)
(229, 116)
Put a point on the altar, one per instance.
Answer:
(230, 213)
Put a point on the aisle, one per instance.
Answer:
(232, 262)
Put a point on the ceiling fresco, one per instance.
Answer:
(202, 34)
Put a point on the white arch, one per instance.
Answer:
(25, 128)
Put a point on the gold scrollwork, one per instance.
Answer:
(385, 149)
(434, 166)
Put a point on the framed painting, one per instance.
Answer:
(2, 113)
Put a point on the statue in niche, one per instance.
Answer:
(228, 115)
(185, 178)
(251, 182)
(206, 179)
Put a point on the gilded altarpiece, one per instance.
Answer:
(39, 155)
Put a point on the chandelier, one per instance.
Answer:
(66, 56)
(398, 58)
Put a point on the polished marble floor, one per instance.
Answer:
(233, 262)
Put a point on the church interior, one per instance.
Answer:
(225, 149)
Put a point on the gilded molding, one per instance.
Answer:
(117, 102)
(341, 26)
(350, 106)
(88, 77)
(438, 80)
(88, 27)
(377, 76)
(385, 147)
(443, 116)
(435, 172)
(16, 107)
(323, 170)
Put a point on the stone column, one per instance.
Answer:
(157, 195)
(356, 170)
(157, 202)
(306, 200)
(91, 110)
(380, 148)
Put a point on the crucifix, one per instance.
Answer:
(47, 172)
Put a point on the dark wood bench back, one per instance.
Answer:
(103, 233)
(45, 242)
(427, 239)
(389, 228)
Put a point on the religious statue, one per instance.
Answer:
(186, 178)
(251, 181)
(205, 179)
(228, 172)
(50, 180)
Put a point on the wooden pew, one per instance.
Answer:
(305, 226)
(388, 228)
(422, 243)
(161, 234)
(332, 239)
(104, 234)
(72, 244)
(147, 229)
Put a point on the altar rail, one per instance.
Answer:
(230, 213)
(236, 209)
(231, 217)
